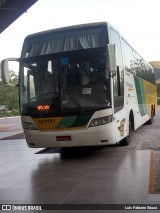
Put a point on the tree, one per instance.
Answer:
(13, 77)
(9, 95)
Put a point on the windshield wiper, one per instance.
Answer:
(74, 100)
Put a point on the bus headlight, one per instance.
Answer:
(30, 126)
(101, 121)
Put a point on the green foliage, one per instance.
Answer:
(155, 64)
(9, 96)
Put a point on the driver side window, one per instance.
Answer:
(118, 80)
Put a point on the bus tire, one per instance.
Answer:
(127, 140)
(150, 121)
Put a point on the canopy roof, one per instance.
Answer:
(10, 10)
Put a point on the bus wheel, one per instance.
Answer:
(127, 140)
(150, 121)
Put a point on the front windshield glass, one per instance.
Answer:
(65, 84)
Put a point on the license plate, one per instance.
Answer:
(63, 138)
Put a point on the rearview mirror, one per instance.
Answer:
(5, 70)
(112, 59)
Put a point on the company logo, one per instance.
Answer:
(21, 208)
(149, 90)
(129, 85)
(121, 127)
(48, 120)
(6, 207)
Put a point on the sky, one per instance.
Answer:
(137, 20)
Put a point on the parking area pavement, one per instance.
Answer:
(112, 175)
(10, 126)
(85, 177)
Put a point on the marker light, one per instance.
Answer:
(43, 107)
(100, 121)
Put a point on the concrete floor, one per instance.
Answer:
(79, 177)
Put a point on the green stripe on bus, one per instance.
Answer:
(82, 120)
(75, 121)
(141, 95)
(68, 121)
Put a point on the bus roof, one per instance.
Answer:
(68, 28)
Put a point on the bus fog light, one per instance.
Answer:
(27, 125)
(100, 121)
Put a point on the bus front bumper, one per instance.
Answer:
(92, 136)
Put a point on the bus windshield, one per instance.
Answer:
(64, 84)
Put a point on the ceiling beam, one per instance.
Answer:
(10, 10)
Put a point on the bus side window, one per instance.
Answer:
(118, 80)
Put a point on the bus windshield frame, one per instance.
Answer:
(65, 83)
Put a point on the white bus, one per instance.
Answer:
(82, 86)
